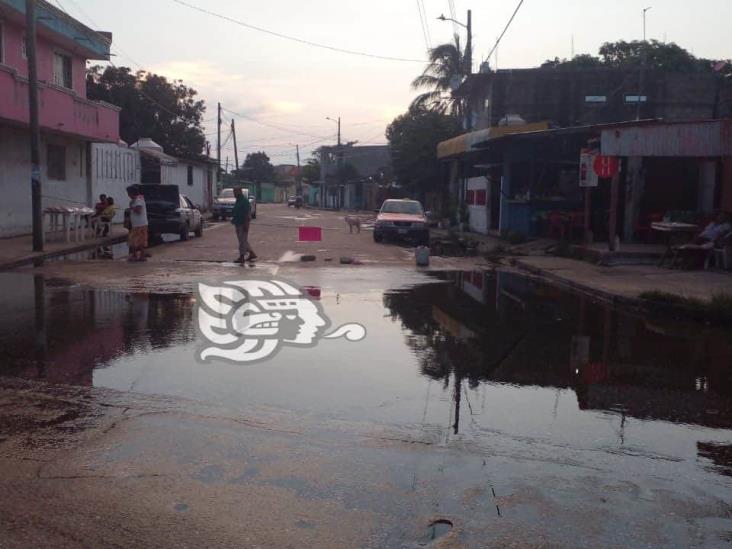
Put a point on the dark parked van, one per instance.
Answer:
(169, 212)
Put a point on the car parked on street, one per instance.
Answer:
(224, 204)
(169, 212)
(402, 219)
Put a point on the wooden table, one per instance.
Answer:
(676, 235)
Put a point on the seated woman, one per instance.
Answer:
(717, 229)
(694, 253)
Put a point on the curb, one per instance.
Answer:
(602, 295)
(40, 257)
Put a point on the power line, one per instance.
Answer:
(288, 147)
(453, 16)
(426, 23)
(424, 28)
(518, 7)
(273, 126)
(293, 38)
(320, 138)
(451, 5)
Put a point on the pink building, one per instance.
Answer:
(69, 121)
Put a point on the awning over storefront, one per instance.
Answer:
(468, 141)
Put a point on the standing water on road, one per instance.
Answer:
(492, 360)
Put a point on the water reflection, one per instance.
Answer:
(501, 328)
(60, 333)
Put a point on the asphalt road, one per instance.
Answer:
(274, 236)
(176, 265)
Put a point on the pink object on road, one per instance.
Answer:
(310, 234)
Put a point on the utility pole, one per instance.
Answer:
(35, 130)
(236, 150)
(218, 144)
(469, 60)
(299, 175)
(469, 45)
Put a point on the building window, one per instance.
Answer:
(62, 70)
(595, 99)
(56, 160)
(190, 175)
(24, 47)
(636, 99)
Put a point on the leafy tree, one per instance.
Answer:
(658, 55)
(582, 61)
(259, 168)
(413, 139)
(311, 170)
(448, 65)
(661, 56)
(152, 106)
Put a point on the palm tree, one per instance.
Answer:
(448, 64)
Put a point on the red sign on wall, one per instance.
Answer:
(606, 166)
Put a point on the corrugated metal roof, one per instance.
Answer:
(690, 139)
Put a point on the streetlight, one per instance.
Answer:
(443, 18)
(468, 52)
(338, 121)
(644, 21)
(469, 28)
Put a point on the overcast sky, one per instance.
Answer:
(293, 86)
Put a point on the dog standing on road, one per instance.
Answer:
(353, 221)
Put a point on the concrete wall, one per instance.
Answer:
(559, 95)
(113, 169)
(200, 192)
(15, 174)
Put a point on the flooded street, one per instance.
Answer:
(492, 365)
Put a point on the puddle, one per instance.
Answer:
(116, 251)
(111, 253)
(459, 356)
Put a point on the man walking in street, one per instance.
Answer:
(241, 218)
(137, 240)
